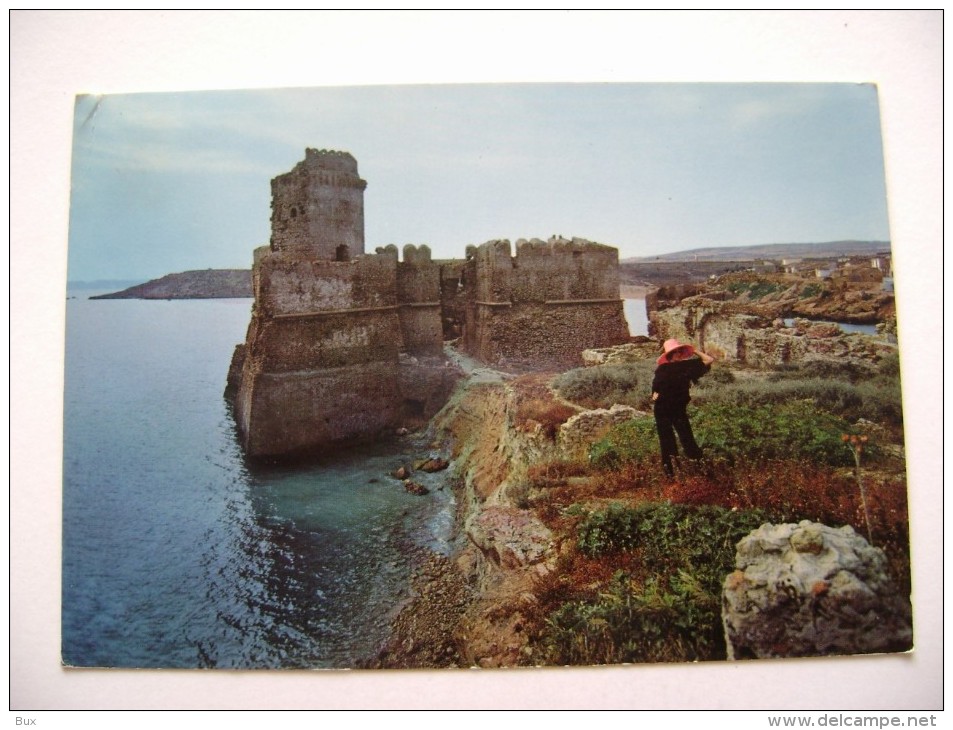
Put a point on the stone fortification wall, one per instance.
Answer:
(320, 363)
(547, 304)
(293, 283)
(343, 345)
(418, 291)
(338, 351)
(318, 207)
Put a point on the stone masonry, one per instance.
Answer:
(344, 346)
(547, 304)
(318, 207)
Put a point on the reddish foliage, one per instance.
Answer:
(794, 491)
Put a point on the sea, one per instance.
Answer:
(178, 552)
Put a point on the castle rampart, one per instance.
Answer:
(547, 304)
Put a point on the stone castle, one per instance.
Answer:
(344, 346)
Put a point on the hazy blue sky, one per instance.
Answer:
(170, 182)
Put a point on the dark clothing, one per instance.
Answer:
(672, 382)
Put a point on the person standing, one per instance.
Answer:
(679, 367)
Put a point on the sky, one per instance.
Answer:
(167, 182)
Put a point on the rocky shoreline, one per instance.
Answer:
(474, 606)
(424, 632)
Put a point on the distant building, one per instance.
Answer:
(882, 264)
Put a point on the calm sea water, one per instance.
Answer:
(845, 327)
(177, 552)
(636, 316)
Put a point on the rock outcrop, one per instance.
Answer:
(741, 317)
(809, 590)
(510, 537)
(578, 433)
(725, 331)
(639, 349)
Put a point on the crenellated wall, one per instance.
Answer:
(546, 304)
(418, 291)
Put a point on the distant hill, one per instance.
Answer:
(831, 249)
(236, 283)
(203, 284)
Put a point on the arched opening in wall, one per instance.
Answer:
(294, 212)
(342, 253)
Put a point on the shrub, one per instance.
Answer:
(674, 615)
(882, 402)
(850, 371)
(550, 414)
(889, 366)
(733, 432)
(794, 430)
(754, 289)
(874, 397)
(605, 385)
(835, 396)
(718, 376)
(631, 624)
(609, 530)
(630, 442)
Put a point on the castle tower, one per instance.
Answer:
(318, 207)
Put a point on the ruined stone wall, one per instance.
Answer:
(338, 351)
(342, 346)
(547, 304)
(725, 333)
(318, 207)
(418, 291)
(321, 357)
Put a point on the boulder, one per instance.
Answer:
(415, 488)
(432, 465)
(578, 433)
(810, 590)
(639, 349)
(510, 537)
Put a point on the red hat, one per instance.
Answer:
(671, 347)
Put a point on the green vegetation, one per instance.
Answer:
(670, 612)
(737, 432)
(754, 289)
(848, 392)
(600, 387)
(641, 576)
